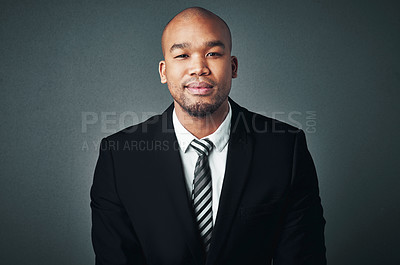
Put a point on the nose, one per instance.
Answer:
(198, 66)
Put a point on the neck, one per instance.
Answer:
(202, 126)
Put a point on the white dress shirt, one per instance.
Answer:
(216, 158)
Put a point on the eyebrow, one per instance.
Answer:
(215, 43)
(210, 44)
(179, 46)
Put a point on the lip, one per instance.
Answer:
(199, 88)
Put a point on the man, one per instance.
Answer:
(213, 183)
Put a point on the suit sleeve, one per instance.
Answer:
(113, 237)
(302, 238)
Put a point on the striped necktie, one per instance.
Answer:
(202, 190)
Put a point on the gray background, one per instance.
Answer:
(330, 67)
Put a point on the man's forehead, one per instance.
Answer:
(185, 31)
(195, 18)
(194, 24)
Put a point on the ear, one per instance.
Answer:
(234, 64)
(161, 70)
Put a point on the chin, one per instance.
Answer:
(201, 109)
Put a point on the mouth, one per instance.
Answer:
(199, 88)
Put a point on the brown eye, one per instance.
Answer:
(181, 56)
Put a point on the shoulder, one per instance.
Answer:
(258, 124)
(279, 137)
(148, 129)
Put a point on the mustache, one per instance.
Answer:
(195, 79)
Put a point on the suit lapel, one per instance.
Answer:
(175, 183)
(237, 165)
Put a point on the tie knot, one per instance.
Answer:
(202, 146)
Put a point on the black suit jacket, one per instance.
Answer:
(269, 208)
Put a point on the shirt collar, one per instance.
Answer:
(219, 138)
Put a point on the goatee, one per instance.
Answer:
(201, 110)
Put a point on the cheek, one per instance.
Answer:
(172, 87)
(224, 70)
(174, 71)
(225, 76)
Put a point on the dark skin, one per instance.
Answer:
(198, 68)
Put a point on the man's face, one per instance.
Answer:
(198, 67)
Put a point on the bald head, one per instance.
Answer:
(190, 15)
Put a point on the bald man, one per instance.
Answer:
(206, 181)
